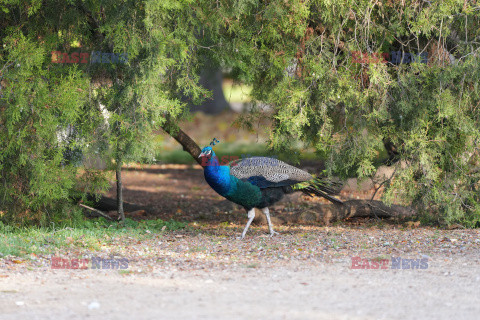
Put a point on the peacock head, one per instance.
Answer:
(207, 152)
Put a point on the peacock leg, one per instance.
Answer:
(270, 226)
(251, 216)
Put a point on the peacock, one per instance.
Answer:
(259, 182)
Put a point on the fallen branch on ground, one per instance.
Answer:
(96, 211)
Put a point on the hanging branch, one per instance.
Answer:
(187, 143)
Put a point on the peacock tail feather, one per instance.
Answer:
(322, 187)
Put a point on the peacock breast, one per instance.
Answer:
(218, 177)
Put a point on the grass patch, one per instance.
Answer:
(177, 156)
(88, 235)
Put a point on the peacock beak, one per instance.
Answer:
(201, 155)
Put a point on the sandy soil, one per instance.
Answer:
(448, 289)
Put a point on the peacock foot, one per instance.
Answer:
(272, 233)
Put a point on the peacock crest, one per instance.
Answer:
(214, 142)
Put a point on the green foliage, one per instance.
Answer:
(42, 101)
(36, 106)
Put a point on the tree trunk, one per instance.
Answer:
(366, 209)
(118, 172)
(328, 213)
(211, 78)
(187, 143)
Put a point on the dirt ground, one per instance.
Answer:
(204, 272)
(447, 290)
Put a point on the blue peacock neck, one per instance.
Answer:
(217, 176)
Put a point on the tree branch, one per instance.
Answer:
(95, 210)
(187, 143)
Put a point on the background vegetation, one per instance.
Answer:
(295, 55)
